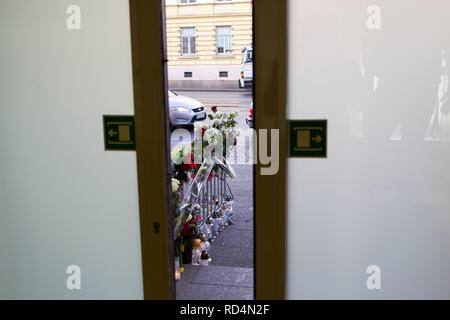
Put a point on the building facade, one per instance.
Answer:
(205, 39)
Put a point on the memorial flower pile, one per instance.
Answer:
(220, 135)
(215, 141)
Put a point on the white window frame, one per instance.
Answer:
(191, 41)
(230, 41)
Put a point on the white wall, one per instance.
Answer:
(382, 196)
(63, 199)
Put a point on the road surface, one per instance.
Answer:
(227, 99)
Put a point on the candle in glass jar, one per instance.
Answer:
(177, 269)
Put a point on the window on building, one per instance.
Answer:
(223, 74)
(187, 1)
(187, 41)
(223, 40)
(188, 74)
(223, 0)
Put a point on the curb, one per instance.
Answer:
(212, 90)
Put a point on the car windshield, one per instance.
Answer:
(172, 94)
(249, 56)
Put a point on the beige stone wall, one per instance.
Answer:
(205, 16)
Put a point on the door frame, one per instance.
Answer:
(152, 132)
(270, 76)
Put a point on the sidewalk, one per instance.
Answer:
(230, 275)
(249, 90)
(222, 99)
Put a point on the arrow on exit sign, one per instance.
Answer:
(308, 138)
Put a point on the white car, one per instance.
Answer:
(184, 111)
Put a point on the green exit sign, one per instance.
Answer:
(119, 133)
(308, 138)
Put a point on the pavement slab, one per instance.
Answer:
(224, 276)
(213, 292)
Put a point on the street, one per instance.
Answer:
(237, 99)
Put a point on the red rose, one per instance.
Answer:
(190, 162)
(214, 109)
(188, 167)
(184, 231)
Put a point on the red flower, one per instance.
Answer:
(203, 131)
(214, 109)
(189, 162)
(188, 167)
(184, 231)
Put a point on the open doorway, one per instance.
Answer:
(209, 46)
(153, 156)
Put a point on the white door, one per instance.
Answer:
(378, 71)
(64, 201)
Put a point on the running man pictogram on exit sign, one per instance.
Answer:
(308, 138)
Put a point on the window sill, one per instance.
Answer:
(225, 56)
(188, 57)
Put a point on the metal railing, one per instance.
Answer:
(210, 194)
